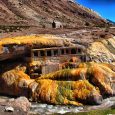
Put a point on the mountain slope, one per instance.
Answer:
(102, 51)
(42, 13)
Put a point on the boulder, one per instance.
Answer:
(22, 102)
(9, 109)
(19, 106)
(14, 83)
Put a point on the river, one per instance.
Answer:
(46, 109)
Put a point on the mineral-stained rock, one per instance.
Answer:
(83, 85)
(100, 75)
(35, 41)
(103, 50)
(65, 92)
(14, 83)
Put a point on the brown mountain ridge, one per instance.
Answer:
(42, 13)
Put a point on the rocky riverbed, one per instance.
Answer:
(45, 109)
(9, 107)
(14, 106)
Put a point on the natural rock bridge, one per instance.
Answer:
(42, 53)
(46, 60)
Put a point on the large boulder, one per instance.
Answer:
(21, 102)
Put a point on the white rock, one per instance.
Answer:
(3, 100)
(49, 106)
(12, 99)
(9, 109)
(62, 111)
(80, 108)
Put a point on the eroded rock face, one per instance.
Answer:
(100, 75)
(14, 83)
(65, 92)
(102, 51)
(86, 84)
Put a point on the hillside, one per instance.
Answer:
(102, 51)
(41, 13)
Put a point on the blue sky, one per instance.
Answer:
(106, 8)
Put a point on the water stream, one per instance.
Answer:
(46, 109)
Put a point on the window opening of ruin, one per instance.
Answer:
(53, 25)
(55, 52)
(79, 50)
(67, 51)
(28, 54)
(42, 53)
(36, 54)
(49, 53)
(73, 51)
(81, 58)
(62, 51)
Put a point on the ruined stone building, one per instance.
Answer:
(48, 60)
(56, 24)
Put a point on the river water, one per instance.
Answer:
(46, 109)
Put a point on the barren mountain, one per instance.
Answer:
(42, 13)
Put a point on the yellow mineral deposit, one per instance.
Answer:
(55, 88)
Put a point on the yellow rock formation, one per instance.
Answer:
(102, 51)
(45, 40)
(83, 85)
